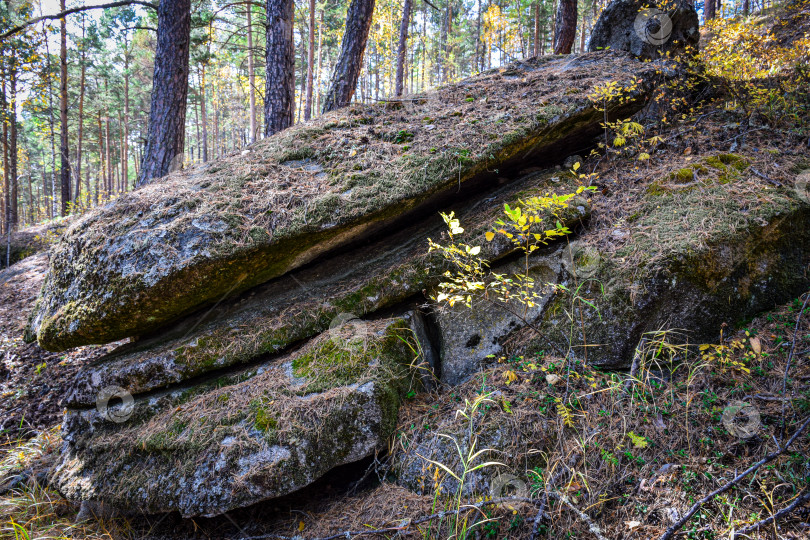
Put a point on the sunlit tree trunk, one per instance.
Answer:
(279, 97)
(203, 116)
(582, 34)
(402, 46)
(64, 172)
(251, 76)
(167, 113)
(12, 190)
(6, 173)
(102, 170)
(311, 60)
(82, 79)
(347, 69)
(566, 28)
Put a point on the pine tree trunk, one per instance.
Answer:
(303, 91)
(402, 46)
(203, 116)
(13, 203)
(582, 34)
(125, 134)
(109, 187)
(251, 76)
(311, 60)
(102, 170)
(566, 27)
(537, 28)
(320, 65)
(279, 97)
(52, 125)
(710, 10)
(477, 56)
(347, 68)
(81, 119)
(64, 173)
(166, 134)
(6, 224)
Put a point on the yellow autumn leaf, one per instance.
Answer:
(489, 235)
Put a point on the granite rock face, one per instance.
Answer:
(644, 30)
(249, 435)
(194, 237)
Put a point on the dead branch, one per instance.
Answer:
(79, 9)
(767, 521)
(787, 366)
(767, 459)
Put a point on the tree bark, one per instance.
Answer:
(402, 46)
(13, 205)
(251, 76)
(102, 170)
(203, 116)
(64, 172)
(82, 79)
(125, 125)
(6, 173)
(566, 27)
(347, 69)
(166, 134)
(582, 34)
(537, 28)
(311, 61)
(279, 97)
(320, 58)
(477, 56)
(109, 187)
(709, 10)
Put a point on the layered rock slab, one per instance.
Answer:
(246, 436)
(698, 256)
(267, 320)
(185, 241)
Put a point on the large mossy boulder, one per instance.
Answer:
(709, 247)
(246, 435)
(196, 236)
(647, 30)
(393, 271)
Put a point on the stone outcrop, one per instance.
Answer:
(278, 300)
(188, 240)
(245, 436)
(644, 30)
(31, 240)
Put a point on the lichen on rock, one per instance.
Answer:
(248, 435)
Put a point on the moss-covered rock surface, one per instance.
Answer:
(196, 236)
(247, 435)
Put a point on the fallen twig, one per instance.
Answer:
(766, 178)
(670, 532)
(787, 366)
(542, 510)
(767, 521)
